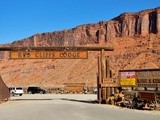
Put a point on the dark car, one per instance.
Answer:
(34, 89)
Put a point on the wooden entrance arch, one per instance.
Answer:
(105, 84)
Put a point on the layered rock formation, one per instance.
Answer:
(134, 36)
(126, 25)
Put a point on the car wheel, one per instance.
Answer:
(13, 94)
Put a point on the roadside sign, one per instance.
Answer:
(127, 79)
(147, 96)
(148, 78)
(48, 55)
(140, 78)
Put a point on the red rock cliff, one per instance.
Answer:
(127, 24)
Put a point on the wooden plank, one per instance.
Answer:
(108, 92)
(100, 95)
(48, 55)
(108, 74)
(108, 85)
(103, 65)
(99, 70)
(103, 93)
(150, 78)
(74, 84)
(63, 48)
(147, 96)
(108, 80)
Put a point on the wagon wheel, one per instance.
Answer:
(157, 104)
(132, 105)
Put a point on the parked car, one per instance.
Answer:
(16, 91)
(35, 89)
(95, 90)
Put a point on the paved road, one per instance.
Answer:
(67, 107)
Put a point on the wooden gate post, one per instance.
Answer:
(105, 82)
(103, 65)
(103, 74)
(99, 81)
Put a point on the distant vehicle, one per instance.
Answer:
(16, 91)
(95, 90)
(35, 89)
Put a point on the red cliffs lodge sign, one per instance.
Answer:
(140, 78)
(48, 55)
(75, 52)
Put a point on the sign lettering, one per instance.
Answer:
(127, 79)
(48, 55)
(148, 78)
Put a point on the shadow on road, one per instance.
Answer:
(83, 101)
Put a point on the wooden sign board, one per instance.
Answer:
(147, 96)
(74, 87)
(48, 55)
(108, 85)
(148, 78)
(140, 78)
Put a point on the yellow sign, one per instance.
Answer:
(127, 82)
(48, 55)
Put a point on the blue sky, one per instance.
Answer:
(23, 18)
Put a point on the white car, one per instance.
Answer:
(95, 90)
(16, 91)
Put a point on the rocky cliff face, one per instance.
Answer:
(126, 25)
(134, 36)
